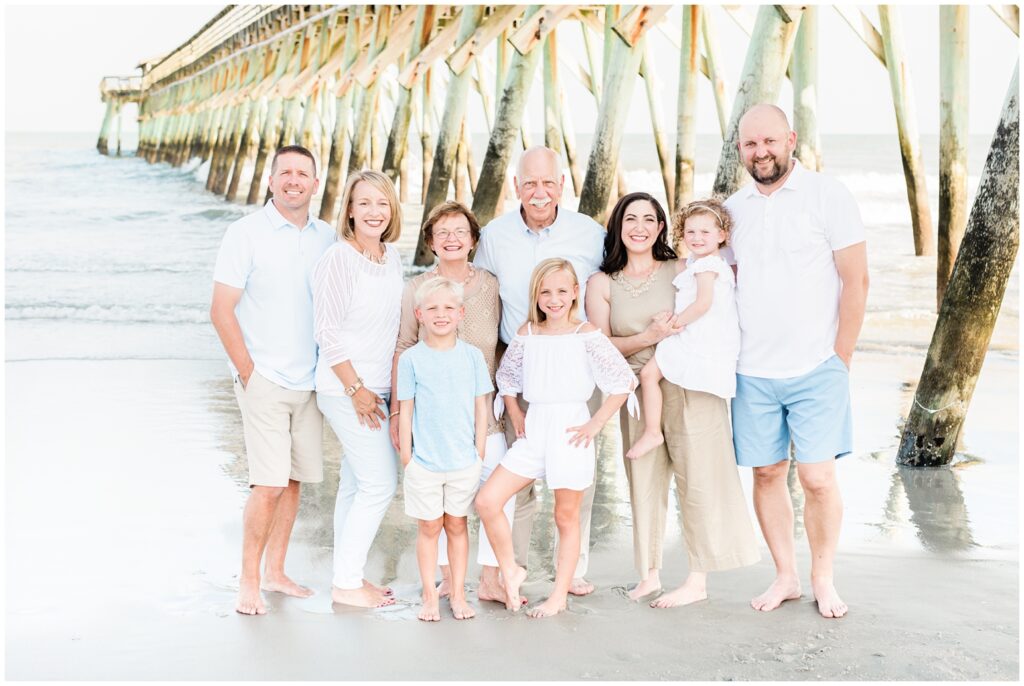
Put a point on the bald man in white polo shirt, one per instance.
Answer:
(511, 245)
(263, 312)
(801, 289)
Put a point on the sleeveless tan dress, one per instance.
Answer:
(698, 449)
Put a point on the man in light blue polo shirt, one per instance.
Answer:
(262, 310)
(511, 245)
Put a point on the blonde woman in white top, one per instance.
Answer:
(357, 299)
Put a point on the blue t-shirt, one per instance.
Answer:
(445, 385)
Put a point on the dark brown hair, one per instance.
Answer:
(615, 256)
(292, 149)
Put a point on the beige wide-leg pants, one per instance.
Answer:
(698, 450)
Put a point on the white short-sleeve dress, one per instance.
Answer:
(702, 357)
(556, 374)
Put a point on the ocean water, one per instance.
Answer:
(111, 258)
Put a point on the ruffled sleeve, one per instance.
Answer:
(333, 286)
(510, 374)
(610, 370)
(710, 263)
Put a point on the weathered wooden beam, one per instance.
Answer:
(401, 29)
(362, 125)
(569, 139)
(448, 133)
(803, 68)
(906, 126)
(398, 137)
(108, 117)
(493, 26)
(864, 29)
(686, 108)
(439, 45)
(537, 25)
(552, 123)
(723, 107)
(654, 95)
(954, 94)
(507, 126)
(771, 44)
(638, 20)
(973, 297)
(245, 149)
(1010, 15)
(620, 77)
(339, 136)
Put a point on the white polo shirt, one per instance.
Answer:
(272, 260)
(787, 286)
(510, 250)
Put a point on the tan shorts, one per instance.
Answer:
(428, 495)
(283, 433)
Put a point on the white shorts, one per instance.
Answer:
(545, 451)
(428, 495)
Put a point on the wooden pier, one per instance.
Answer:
(356, 84)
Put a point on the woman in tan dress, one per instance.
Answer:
(631, 300)
(451, 231)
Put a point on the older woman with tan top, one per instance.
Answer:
(452, 232)
(631, 299)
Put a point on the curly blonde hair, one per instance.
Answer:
(711, 206)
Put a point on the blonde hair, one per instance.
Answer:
(436, 284)
(711, 206)
(543, 270)
(383, 184)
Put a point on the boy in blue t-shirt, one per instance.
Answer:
(443, 385)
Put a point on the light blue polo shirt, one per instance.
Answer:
(272, 260)
(445, 385)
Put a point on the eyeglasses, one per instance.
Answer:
(443, 234)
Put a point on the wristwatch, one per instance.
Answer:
(351, 390)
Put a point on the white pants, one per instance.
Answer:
(485, 554)
(369, 478)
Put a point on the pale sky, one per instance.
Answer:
(56, 56)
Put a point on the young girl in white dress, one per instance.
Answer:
(555, 360)
(701, 357)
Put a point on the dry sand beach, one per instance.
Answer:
(126, 479)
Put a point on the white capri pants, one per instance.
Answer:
(496, 448)
(369, 478)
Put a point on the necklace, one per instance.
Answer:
(635, 291)
(370, 256)
(465, 282)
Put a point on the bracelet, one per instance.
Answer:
(351, 390)
(394, 414)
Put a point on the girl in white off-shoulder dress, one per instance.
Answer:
(554, 361)
(702, 356)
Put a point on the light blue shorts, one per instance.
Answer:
(812, 409)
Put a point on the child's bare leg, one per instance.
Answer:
(458, 560)
(567, 519)
(442, 562)
(426, 557)
(492, 497)
(650, 391)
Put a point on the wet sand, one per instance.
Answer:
(125, 483)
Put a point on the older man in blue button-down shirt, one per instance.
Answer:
(510, 247)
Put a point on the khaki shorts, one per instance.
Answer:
(428, 495)
(283, 433)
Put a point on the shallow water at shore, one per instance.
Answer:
(126, 479)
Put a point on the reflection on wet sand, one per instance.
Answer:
(937, 507)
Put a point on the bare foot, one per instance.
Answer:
(830, 605)
(652, 584)
(781, 590)
(444, 588)
(513, 601)
(689, 592)
(430, 612)
(283, 584)
(383, 590)
(549, 608)
(360, 597)
(461, 609)
(250, 602)
(648, 441)
(581, 586)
